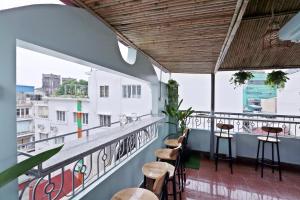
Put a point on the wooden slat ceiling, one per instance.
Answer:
(184, 36)
(246, 50)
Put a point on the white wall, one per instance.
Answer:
(288, 99)
(66, 31)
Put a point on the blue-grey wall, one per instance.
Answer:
(62, 31)
(245, 145)
(130, 174)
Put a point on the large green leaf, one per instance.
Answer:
(17, 170)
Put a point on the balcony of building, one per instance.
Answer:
(178, 37)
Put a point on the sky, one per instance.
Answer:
(6, 4)
(31, 65)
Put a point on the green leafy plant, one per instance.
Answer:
(240, 78)
(17, 170)
(180, 116)
(276, 79)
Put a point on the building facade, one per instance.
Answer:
(256, 90)
(50, 82)
(109, 97)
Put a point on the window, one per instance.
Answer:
(104, 91)
(139, 91)
(134, 91)
(75, 117)
(85, 118)
(61, 116)
(43, 136)
(18, 113)
(59, 140)
(27, 111)
(105, 120)
(124, 88)
(131, 91)
(22, 112)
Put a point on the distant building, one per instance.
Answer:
(67, 79)
(24, 116)
(50, 83)
(256, 90)
(24, 89)
(109, 96)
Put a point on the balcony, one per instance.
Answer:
(201, 37)
(92, 165)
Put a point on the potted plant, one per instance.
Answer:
(180, 116)
(17, 170)
(241, 78)
(276, 79)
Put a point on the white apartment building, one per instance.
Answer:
(288, 99)
(25, 122)
(109, 96)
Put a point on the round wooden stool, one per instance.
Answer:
(134, 194)
(272, 141)
(224, 135)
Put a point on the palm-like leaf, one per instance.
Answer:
(17, 170)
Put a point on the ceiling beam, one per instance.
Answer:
(234, 25)
(237, 68)
(120, 36)
(278, 14)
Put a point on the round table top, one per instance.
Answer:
(134, 194)
(155, 170)
(164, 154)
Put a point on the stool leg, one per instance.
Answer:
(230, 155)
(145, 184)
(257, 154)
(262, 159)
(182, 177)
(279, 164)
(174, 187)
(217, 154)
(272, 157)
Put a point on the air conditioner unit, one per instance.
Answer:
(291, 30)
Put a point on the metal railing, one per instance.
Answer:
(85, 133)
(69, 178)
(250, 123)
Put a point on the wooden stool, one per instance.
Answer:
(226, 136)
(272, 141)
(134, 193)
(172, 156)
(154, 170)
(175, 142)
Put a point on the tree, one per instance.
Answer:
(73, 88)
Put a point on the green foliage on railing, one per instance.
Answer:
(17, 170)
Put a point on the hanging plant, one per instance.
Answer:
(277, 79)
(240, 78)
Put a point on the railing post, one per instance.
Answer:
(212, 119)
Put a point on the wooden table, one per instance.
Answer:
(134, 194)
(155, 170)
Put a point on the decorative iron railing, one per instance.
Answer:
(80, 164)
(246, 122)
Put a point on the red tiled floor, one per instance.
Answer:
(244, 184)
